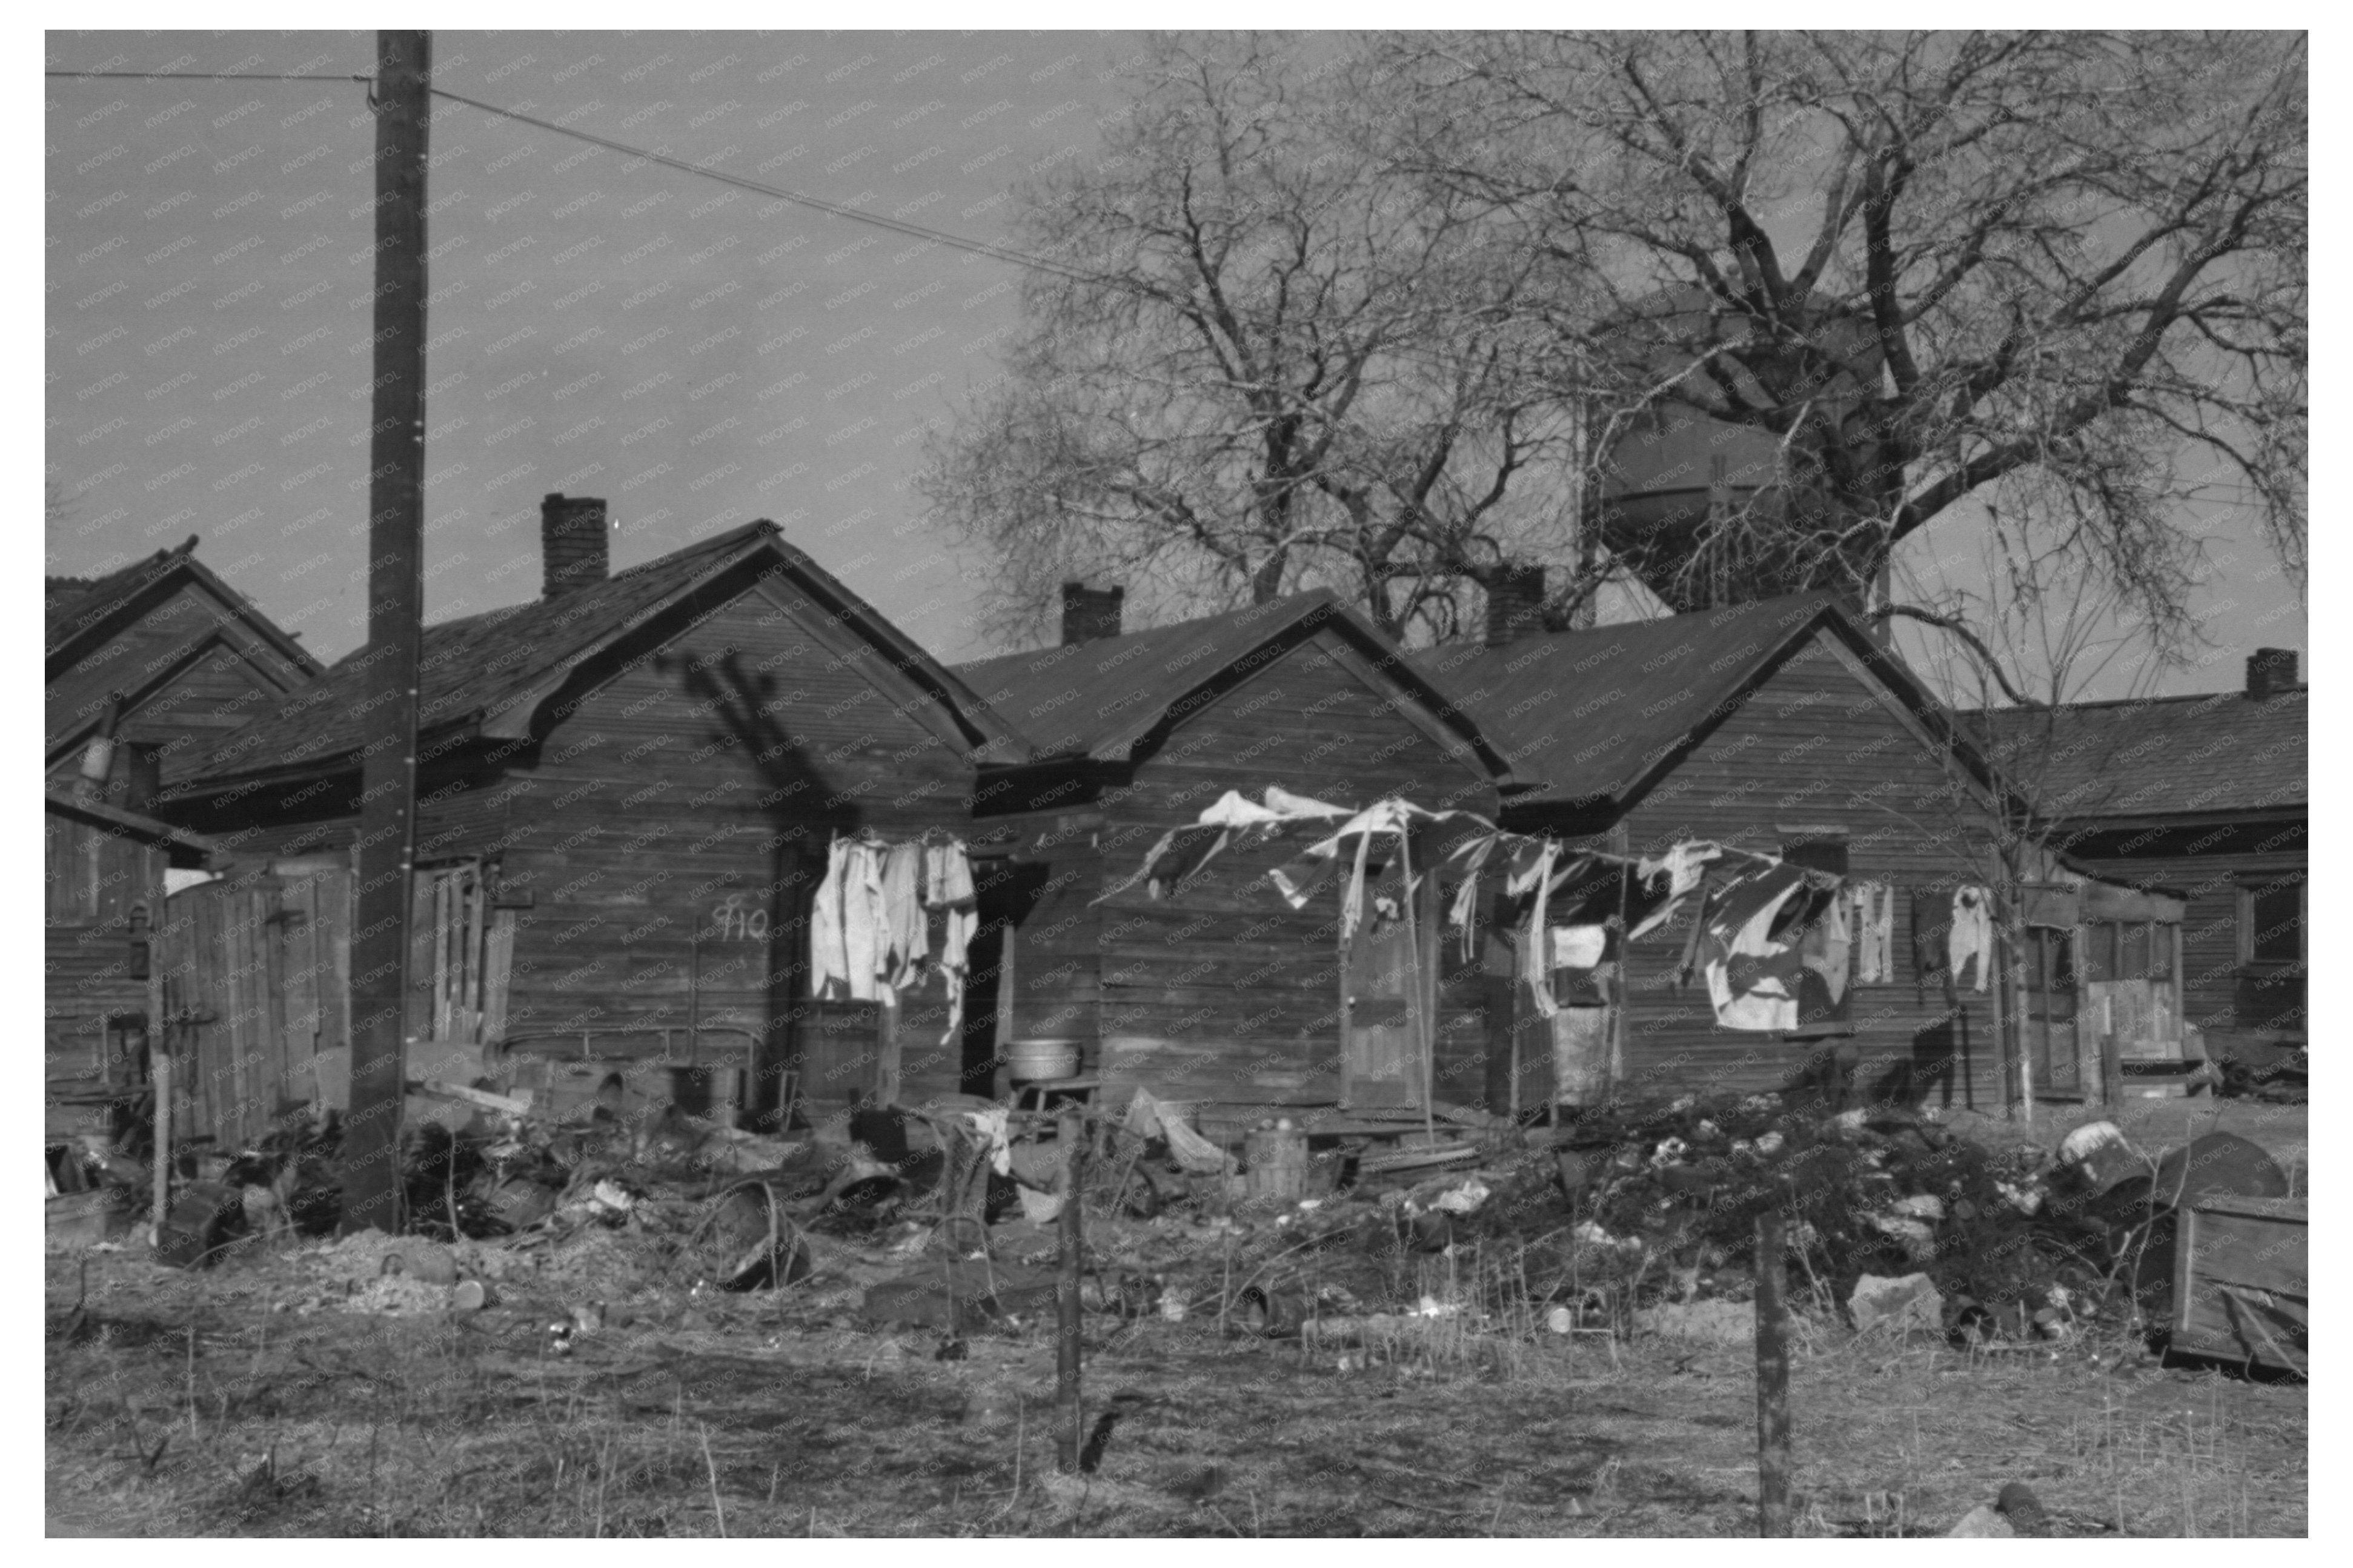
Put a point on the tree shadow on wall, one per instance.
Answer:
(801, 810)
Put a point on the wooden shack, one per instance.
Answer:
(157, 660)
(626, 793)
(1219, 993)
(1780, 728)
(142, 666)
(2206, 795)
(106, 874)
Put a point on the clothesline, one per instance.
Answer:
(1781, 944)
(869, 927)
(1574, 897)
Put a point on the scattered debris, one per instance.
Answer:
(1897, 1305)
(1984, 1520)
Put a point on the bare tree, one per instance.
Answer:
(2063, 273)
(1263, 360)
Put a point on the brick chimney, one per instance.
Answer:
(574, 549)
(1514, 604)
(1089, 613)
(2270, 672)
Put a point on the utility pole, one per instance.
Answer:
(395, 580)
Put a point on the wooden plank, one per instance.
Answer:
(497, 962)
(2241, 1281)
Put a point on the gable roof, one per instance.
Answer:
(2156, 757)
(1102, 698)
(489, 674)
(77, 700)
(79, 612)
(1595, 716)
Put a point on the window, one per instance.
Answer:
(2128, 950)
(2271, 922)
(1824, 853)
(448, 951)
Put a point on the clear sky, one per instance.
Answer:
(698, 355)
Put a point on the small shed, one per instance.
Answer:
(1218, 992)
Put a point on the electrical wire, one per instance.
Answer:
(1427, 359)
(800, 199)
(197, 76)
(837, 209)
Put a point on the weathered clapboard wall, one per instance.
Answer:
(184, 695)
(1221, 993)
(1818, 747)
(95, 876)
(2208, 863)
(651, 852)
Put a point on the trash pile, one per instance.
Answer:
(1643, 1218)
(941, 1218)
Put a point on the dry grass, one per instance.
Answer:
(337, 1424)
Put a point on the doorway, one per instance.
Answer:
(1388, 991)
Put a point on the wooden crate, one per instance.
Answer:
(2240, 1284)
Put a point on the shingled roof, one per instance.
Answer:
(487, 674)
(2156, 757)
(1595, 716)
(1099, 699)
(81, 611)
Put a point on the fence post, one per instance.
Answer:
(1772, 1381)
(1066, 1293)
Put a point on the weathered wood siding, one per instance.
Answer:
(202, 703)
(1816, 745)
(657, 847)
(696, 793)
(94, 878)
(2209, 865)
(1223, 992)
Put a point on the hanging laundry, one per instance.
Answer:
(1932, 929)
(1461, 917)
(1283, 803)
(1828, 952)
(1297, 880)
(1578, 946)
(1683, 865)
(1530, 859)
(1748, 949)
(948, 887)
(849, 924)
(864, 924)
(1352, 903)
(1972, 933)
(906, 943)
(1871, 917)
(828, 958)
(1536, 957)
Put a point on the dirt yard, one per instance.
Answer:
(214, 1403)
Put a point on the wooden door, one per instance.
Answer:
(1388, 993)
(225, 1014)
(2048, 1005)
(314, 952)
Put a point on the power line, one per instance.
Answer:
(855, 215)
(801, 198)
(196, 76)
(1427, 359)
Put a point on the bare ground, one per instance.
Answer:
(182, 1403)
